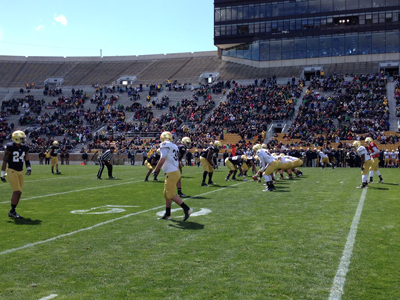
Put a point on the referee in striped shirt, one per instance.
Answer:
(105, 159)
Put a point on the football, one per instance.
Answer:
(254, 177)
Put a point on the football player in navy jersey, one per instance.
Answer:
(151, 164)
(16, 153)
(234, 163)
(54, 149)
(206, 159)
(182, 148)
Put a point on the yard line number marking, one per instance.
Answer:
(340, 278)
(103, 223)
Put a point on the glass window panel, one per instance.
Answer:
(228, 30)
(251, 28)
(382, 18)
(275, 49)
(223, 14)
(312, 46)
(325, 46)
(289, 8)
(223, 30)
(217, 30)
(225, 52)
(378, 42)
(268, 9)
(232, 52)
(287, 49)
(274, 26)
(337, 45)
(352, 4)
(245, 12)
(392, 2)
(257, 27)
(365, 4)
(298, 24)
(262, 11)
(392, 41)
(262, 27)
(228, 13)
(264, 50)
(301, 7)
(268, 27)
(375, 18)
(314, 6)
(326, 5)
(256, 11)
(239, 53)
(277, 9)
(247, 52)
(240, 12)
(280, 26)
(217, 15)
(317, 23)
(255, 51)
(234, 13)
(361, 19)
(252, 11)
(300, 48)
(339, 5)
(378, 3)
(286, 25)
(323, 22)
(351, 44)
(292, 24)
(364, 43)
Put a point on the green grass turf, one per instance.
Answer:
(285, 244)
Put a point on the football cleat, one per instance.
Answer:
(99, 178)
(165, 217)
(111, 177)
(268, 190)
(14, 215)
(182, 195)
(58, 173)
(187, 214)
(362, 186)
(204, 184)
(211, 183)
(227, 179)
(381, 181)
(146, 180)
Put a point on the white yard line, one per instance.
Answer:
(52, 296)
(340, 278)
(102, 223)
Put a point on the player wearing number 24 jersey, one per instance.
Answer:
(15, 155)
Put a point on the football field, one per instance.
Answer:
(315, 237)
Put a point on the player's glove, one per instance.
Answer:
(154, 173)
(28, 172)
(3, 179)
(362, 169)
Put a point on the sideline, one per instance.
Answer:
(106, 222)
(340, 278)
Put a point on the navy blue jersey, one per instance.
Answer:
(17, 156)
(154, 158)
(55, 150)
(236, 160)
(210, 148)
(182, 150)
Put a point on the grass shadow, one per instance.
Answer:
(27, 221)
(186, 225)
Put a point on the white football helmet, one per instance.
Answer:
(19, 137)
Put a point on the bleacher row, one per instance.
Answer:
(186, 69)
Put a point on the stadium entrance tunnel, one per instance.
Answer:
(310, 72)
(391, 69)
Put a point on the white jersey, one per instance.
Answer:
(265, 158)
(169, 151)
(387, 154)
(290, 158)
(393, 155)
(322, 155)
(361, 150)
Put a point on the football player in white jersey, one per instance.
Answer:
(386, 156)
(270, 165)
(324, 159)
(169, 163)
(366, 163)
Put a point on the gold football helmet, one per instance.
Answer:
(256, 147)
(357, 144)
(55, 144)
(166, 136)
(158, 151)
(19, 137)
(264, 146)
(218, 145)
(369, 140)
(186, 141)
(244, 157)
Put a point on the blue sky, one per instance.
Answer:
(82, 28)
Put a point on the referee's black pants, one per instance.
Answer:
(109, 168)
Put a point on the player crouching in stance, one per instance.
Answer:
(15, 155)
(366, 163)
(270, 164)
(206, 158)
(374, 153)
(151, 164)
(324, 159)
(169, 163)
(234, 163)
